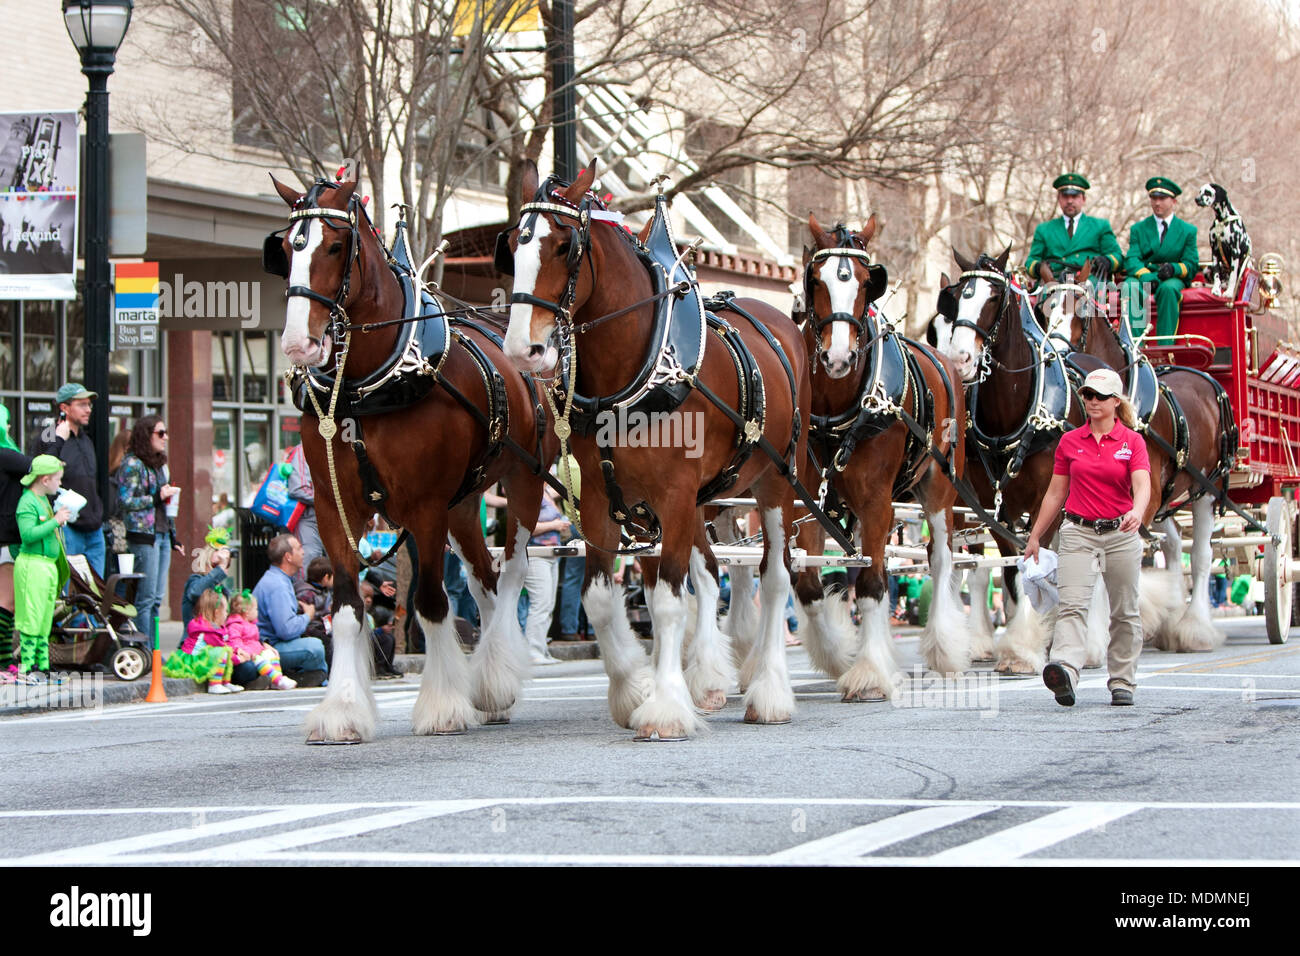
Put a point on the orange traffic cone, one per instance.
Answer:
(156, 693)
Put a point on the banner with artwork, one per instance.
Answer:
(39, 167)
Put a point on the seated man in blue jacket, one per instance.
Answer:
(282, 618)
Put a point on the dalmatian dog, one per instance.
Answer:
(1228, 239)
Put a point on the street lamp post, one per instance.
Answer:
(97, 28)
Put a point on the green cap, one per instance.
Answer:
(1071, 183)
(71, 392)
(42, 465)
(1159, 186)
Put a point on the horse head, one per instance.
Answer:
(1067, 308)
(840, 283)
(544, 253)
(939, 332)
(318, 253)
(983, 293)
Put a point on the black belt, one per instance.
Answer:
(1099, 525)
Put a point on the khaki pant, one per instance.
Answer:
(1118, 557)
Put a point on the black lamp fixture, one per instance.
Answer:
(97, 28)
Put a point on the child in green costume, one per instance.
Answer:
(41, 568)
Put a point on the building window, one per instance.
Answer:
(703, 140)
(42, 346)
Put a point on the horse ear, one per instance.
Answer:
(580, 185)
(343, 195)
(965, 264)
(944, 281)
(1002, 259)
(820, 239)
(1082, 275)
(869, 230)
(644, 234)
(286, 193)
(807, 255)
(529, 181)
(1045, 273)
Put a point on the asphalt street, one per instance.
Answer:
(1203, 770)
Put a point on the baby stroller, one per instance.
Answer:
(94, 628)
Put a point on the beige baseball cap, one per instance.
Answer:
(1105, 382)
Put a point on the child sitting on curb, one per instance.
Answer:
(242, 637)
(203, 655)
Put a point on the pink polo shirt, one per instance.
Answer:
(1100, 487)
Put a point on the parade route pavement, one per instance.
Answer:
(1204, 770)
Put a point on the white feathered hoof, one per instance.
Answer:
(1194, 635)
(1015, 665)
(664, 718)
(982, 649)
(496, 719)
(766, 702)
(862, 683)
(710, 701)
(629, 693)
(442, 719)
(347, 715)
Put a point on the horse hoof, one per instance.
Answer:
(751, 717)
(864, 697)
(1092, 667)
(656, 735)
(317, 739)
(1015, 669)
(497, 719)
(714, 701)
(983, 660)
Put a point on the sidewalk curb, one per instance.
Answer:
(39, 700)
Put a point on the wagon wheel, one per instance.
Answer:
(1278, 590)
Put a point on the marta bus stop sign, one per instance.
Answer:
(135, 305)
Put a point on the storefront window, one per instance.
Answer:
(290, 432)
(76, 343)
(8, 325)
(223, 461)
(40, 347)
(258, 453)
(256, 368)
(223, 367)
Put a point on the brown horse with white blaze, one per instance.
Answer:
(572, 272)
(865, 379)
(432, 456)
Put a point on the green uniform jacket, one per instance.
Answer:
(1092, 237)
(1146, 253)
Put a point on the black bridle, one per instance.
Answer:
(850, 248)
(987, 269)
(275, 262)
(579, 246)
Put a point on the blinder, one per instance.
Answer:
(274, 260)
(502, 257)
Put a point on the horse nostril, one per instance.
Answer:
(535, 351)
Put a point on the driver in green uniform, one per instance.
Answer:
(1071, 240)
(1161, 252)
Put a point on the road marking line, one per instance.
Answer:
(333, 831)
(1254, 658)
(850, 844)
(631, 799)
(1039, 834)
(542, 859)
(106, 851)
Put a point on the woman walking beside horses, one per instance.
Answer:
(1102, 477)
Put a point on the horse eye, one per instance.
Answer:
(336, 248)
(562, 249)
